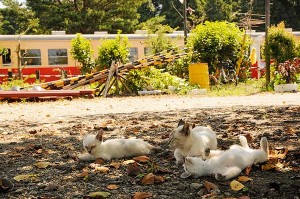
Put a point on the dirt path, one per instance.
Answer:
(81, 107)
(52, 132)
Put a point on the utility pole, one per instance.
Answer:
(267, 50)
(184, 21)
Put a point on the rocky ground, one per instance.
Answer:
(39, 143)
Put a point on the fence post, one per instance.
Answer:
(37, 75)
(10, 75)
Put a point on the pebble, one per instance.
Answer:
(181, 187)
(196, 185)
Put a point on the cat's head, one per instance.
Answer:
(192, 166)
(178, 137)
(90, 142)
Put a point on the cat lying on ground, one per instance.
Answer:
(114, 148)
(189, 140)
(228, 163)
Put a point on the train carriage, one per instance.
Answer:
(49, 57)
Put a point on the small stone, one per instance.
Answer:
(196, 185)
(181, 187)
(51, 187)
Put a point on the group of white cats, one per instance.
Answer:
(194, 146)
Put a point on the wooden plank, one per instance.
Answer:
(43, 93)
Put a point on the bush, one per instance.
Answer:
(152, 78)
(112, 50)
(281, 44)
(82, 52)
(215, 42)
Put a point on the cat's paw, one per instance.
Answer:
(179, 161)
(185, 175)
(220, 177)
(86, 157)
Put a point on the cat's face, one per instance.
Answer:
(178, 137)
(90, 143)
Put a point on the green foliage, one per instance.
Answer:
(179, 67)
(154, 25)
(82, 52)
(152, 78)
(215, 42)
(249, 87)
(16, 19)
(86, 16)
(287, 72)
(159, 42)
(3, 51)
(113, 50)
(297, 49)
(281, 43)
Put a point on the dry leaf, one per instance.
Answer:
(33, 131)
(128, 162)
(244, 197)
(19, 178)
(148, 179)
(133, 169)
(236, 186)
(268, 166)
(290, 130)
(42, 165)
(277, 154)
(99, 161)
(209, 185)
(112, 187)
(102, 169)
(247, 170)
(83, 174)
(141, 159)
(100, 194)
(249, 138)
(244, 179)
(159, 178)
(19, 148)
(116, 165)
(282, 155)
(142, 195)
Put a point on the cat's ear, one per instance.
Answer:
(99, 135)
(186, 129)
(181, 122)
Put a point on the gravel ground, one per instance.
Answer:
(52, 132)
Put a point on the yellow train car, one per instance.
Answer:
(49, 55)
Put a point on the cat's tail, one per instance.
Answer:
(243, 141)
(264, 145)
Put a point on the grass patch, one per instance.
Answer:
(249, 87)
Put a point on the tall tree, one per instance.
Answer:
(16, 18)
(86, 16)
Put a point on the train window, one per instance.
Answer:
(57, 56)
(147, 51)
(31, 57)
(133, 54)
(6, 57)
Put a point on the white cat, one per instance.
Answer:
(228, 163)
(188, 140)
(114, 148)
